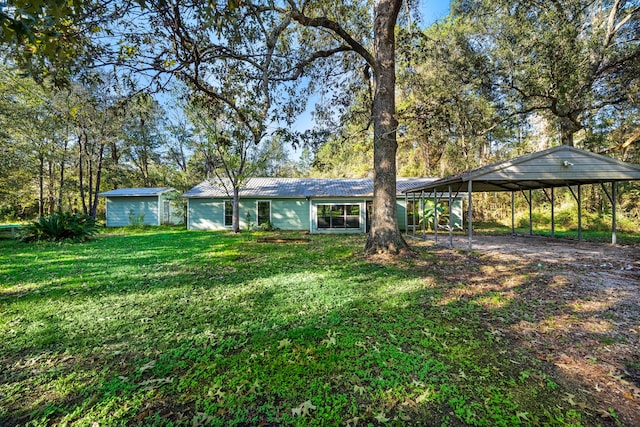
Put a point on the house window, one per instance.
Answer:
(228, 213)
(264, 212)
(338, 216)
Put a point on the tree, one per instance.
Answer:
(334, 28)
(203, 43)
(447, 112)
(567, 59)
(142, 136)
(231, 154)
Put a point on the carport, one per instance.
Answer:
(561, 166)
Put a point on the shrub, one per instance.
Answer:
(136, 220)
(60, 226)
(267, 226)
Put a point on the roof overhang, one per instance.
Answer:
(561, 166)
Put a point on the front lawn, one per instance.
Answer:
(169, 327)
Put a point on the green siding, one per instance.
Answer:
(205, 214)
(401, 205)
(288, 214)
(119, 210)
(175, 210)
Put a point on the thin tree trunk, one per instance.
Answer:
(41, 186)
(61, 183)
(94, 206)
(384, 235)
(51, 192)
(81, 171)
(236, 209)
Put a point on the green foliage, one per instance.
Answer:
(267, 226)
(249, 220)
(136, 220)
(59, 227)
(428, 215)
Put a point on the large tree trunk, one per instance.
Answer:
(568, 128)
(384, 235)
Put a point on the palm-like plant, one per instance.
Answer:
(431, 210)
(60, 226)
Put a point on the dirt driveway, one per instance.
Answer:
(580, 310)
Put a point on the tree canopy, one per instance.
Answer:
(95, 94)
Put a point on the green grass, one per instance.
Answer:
(169, 327)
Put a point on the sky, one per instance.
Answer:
(431, 10)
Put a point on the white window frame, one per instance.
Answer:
(345, 228)
(224, 213)
(258, 211)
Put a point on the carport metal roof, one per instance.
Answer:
(561, 166)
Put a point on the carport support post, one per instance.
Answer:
(612, 199)
(469, 220)
(513, 214)
(530, 214)
(614, 238)
(579, 213)
(451, 218)
(423, 227)
(553, 220)
(435, 215)
(415, 208)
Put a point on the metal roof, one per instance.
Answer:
(298, 187)
(555, 167)
(136, 192)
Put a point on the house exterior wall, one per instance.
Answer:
(205, 214)
(120, 210)
(289, 214)
(286, 214)
(175, 214)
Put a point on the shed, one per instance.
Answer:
(142, 206)
(561, 166)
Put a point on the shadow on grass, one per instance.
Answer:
(214, 329)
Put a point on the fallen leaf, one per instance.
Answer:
(148, 366)
(569, 398)
(331, 339)
(284, 343)
(303, 409)
(353, 422)
(424, 396)
(404, 417)
(381, 418)
(358, 389)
